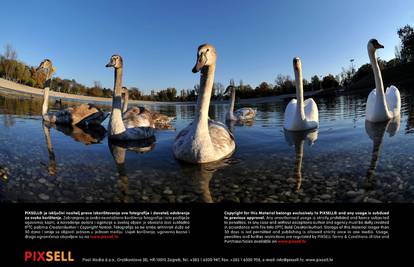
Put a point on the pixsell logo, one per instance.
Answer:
(48, 256)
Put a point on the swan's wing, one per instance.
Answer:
(221, 137)
(370, 106)
(161, 121)
(82, 112)
(393, 100)
(245, 113)
(311, 110)
(136, 117)
(290, 113)
(182, 135)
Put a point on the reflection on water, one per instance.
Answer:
(118, 150)
(376, 133)
(351, 161)
(86, 135)
(52, 158)
(201, 176)
(297, 139)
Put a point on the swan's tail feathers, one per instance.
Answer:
(393, 100)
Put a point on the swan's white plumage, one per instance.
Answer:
(311, 112)
(381, 106)
(293, 120)
(300, 116)
(378, 111)
(393, 97)
(290, 112)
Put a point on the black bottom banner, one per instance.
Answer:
(190, 234)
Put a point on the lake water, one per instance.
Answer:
(345, 160)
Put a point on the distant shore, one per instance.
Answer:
(12, 88)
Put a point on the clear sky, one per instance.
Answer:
(255, 39)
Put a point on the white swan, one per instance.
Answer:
(300, 115)
(153, 119)
(380, 106)
(242, 114)
(204, 140)
(130, 128)
(82, 114)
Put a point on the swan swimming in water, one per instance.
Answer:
(153, 119)
(129, 128)
(242, 114)
(300, 115)
(82, 114)
(204, 140)
(381, 107)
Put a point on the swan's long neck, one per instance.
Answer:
(299, 93)
(125, 102)
(203, 100)
(46, 91)
(116, 124)
(378, 79)
(233, 100)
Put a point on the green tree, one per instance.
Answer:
(329, 82)
(315, 82)
(264, 89)
(406, 35)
